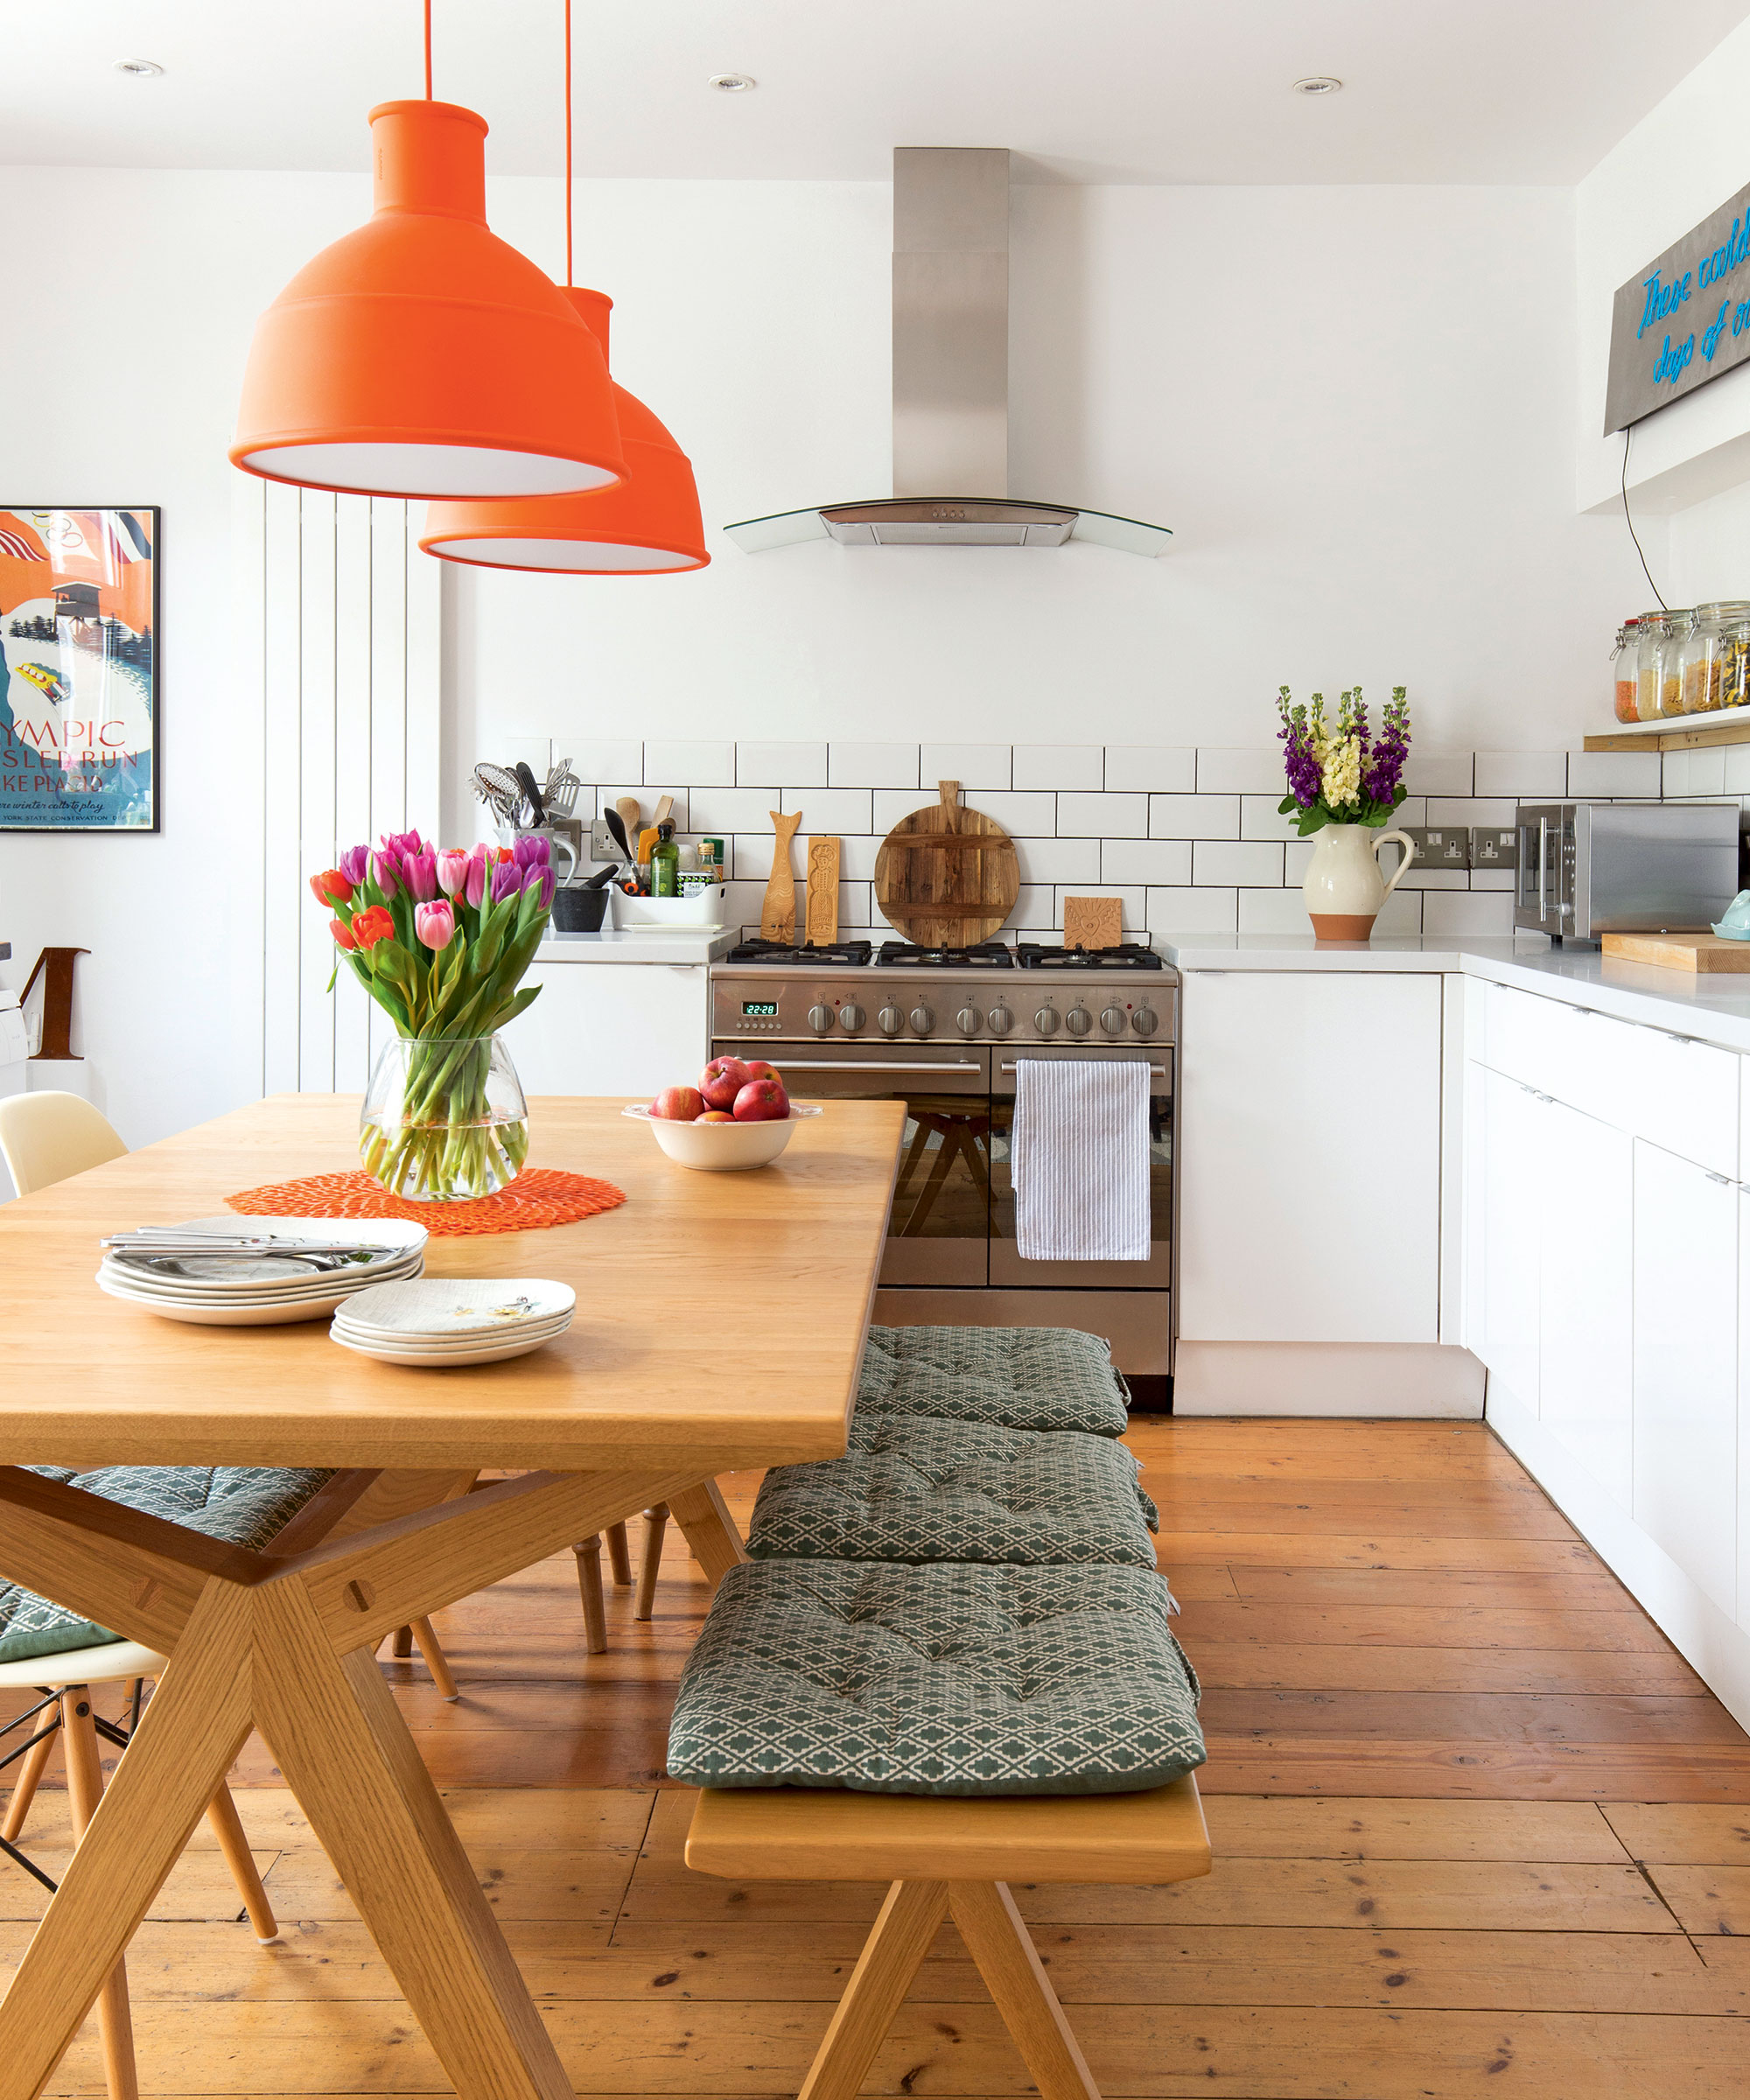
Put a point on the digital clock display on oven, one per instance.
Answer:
(754, 1009)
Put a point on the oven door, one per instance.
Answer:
(939, 1232)
(1008, 1270)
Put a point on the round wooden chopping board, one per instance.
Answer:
(946, 877)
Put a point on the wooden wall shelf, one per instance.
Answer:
(1677, 732)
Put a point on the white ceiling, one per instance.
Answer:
(1146, 91)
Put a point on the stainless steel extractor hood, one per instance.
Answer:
(951, 383)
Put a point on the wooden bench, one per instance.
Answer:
(949, 1857)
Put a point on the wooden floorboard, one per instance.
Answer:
(1479, 1830)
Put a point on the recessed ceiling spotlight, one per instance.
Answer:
(1318, 83)
(141, 69)
(734, 83)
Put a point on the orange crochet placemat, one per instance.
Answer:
(538, 1197)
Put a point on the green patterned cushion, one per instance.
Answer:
(245, 1506)
(938, 1680)
(914, 1488)
(1019, 1377)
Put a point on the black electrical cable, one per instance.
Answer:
(1627, 436)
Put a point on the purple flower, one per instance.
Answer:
(530, 852)
(541, 880)
(507, 880)
(385, 872)
(355, 863)
(479, 861)
(402, 842)
(419, 871)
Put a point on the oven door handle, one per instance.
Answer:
(1155, 1071)
(826, 1064)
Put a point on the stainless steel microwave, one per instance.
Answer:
(1587, 869)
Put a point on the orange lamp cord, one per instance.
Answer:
(428, 49)
(568, 139)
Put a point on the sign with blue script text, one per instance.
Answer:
(1683, 319)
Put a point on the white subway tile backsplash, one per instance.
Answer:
(1253, 864)
(1738, 769)
(536, 753)
(1447, 914)
(1058, 859)
(1273, 911)
(1440, 772)
(1255, 771)
(1150, 768)
(1402, 912)
(1193, 911)
(607, 759)
(749, 856)
(1526, 775)
(1492, 879)
(1165, 862)
(1470, 809)
(1194, 816)
(872, 764)
(718, 811)
(975, 766)
(1020, 815)
(1055, 765)
(1423, 878)
(699, 763)
(1102, 816)
(780, 764)
(1260, 817)
(647, 798)
(1628, 773)
(1035, 909)
(1706, 773)
(827, 811)
(856, 856)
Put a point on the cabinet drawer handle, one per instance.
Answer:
(1724, 1181)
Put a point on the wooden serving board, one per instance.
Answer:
(1702, 955)
(947, 876)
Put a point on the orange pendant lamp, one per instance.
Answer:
(421, 355)
(649, 526)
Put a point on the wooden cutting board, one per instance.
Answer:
(1702, 955)
(945, 876)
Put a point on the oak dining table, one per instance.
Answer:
(720, 1324)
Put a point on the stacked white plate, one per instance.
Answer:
(455, 1320)
(226, 1291)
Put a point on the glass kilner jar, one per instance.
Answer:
(1658, 687)
(1622, 663)
(1713, 668)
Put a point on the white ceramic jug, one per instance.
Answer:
(1344, 888)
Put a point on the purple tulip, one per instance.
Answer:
(355, 863)
(507, 880)
(542, 881)
(478, 862)
(435, 924)
(387, 875)
(531, 852)
(453, 869)
(419, 871)
(401, 844)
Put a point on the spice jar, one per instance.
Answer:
(1623, 657)
(1658, 681)
(1713, 661)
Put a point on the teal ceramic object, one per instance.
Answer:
(1735, 926)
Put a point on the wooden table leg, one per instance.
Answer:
(703, 1514)
(650, 1566)
(335, 1731)
(891, 1955)
(998, 1940)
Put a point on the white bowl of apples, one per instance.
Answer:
(737, 1117)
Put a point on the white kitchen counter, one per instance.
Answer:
(1714, 1009)
(639, 944)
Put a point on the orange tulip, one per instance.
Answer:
(331, 887)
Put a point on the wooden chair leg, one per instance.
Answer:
(30, 1773)
(902, 1936)
(998, 1940)
(404, 1643)
(655, 1523)
(711, 1536)
(435, 1661)
(85, 1788)
(227, 1827)
(589, 1555)
(619, 1556)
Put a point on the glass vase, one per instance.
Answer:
(445, 1119)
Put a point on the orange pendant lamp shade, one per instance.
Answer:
(423, 356)
(649, 526)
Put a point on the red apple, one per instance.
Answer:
(678, 1104)
(715, 1116)
(757, 1068)
(721, 1081)
(762, 1101)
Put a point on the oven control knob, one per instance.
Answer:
(922, 1020)
(969, 1020)
(1001, 1020)
(851, 1017)
(889, 1020)
(1112, 1019)
(1078, 1020)
(1046, 1021)
(1146, 1020)
(820, 1018)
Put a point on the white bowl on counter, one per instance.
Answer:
(722, 1148)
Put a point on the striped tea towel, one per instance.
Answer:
(1080, 1159)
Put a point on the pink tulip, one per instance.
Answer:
(453, 869)
(419, 871)
(478, 862)
(434, 925)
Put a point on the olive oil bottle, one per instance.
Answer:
(665, 863)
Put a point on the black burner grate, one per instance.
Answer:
(988, 955)
(837, 954)
(1030, 955)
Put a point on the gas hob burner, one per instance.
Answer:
(1129, 954)
(837, 955)
(988, 955)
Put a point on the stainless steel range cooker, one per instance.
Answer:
(941, 1030)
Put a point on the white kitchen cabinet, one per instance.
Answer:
(626, 1028)
(1583, 1202)
(1685, 1367)
(1309, 1157)
(1504, 1328)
